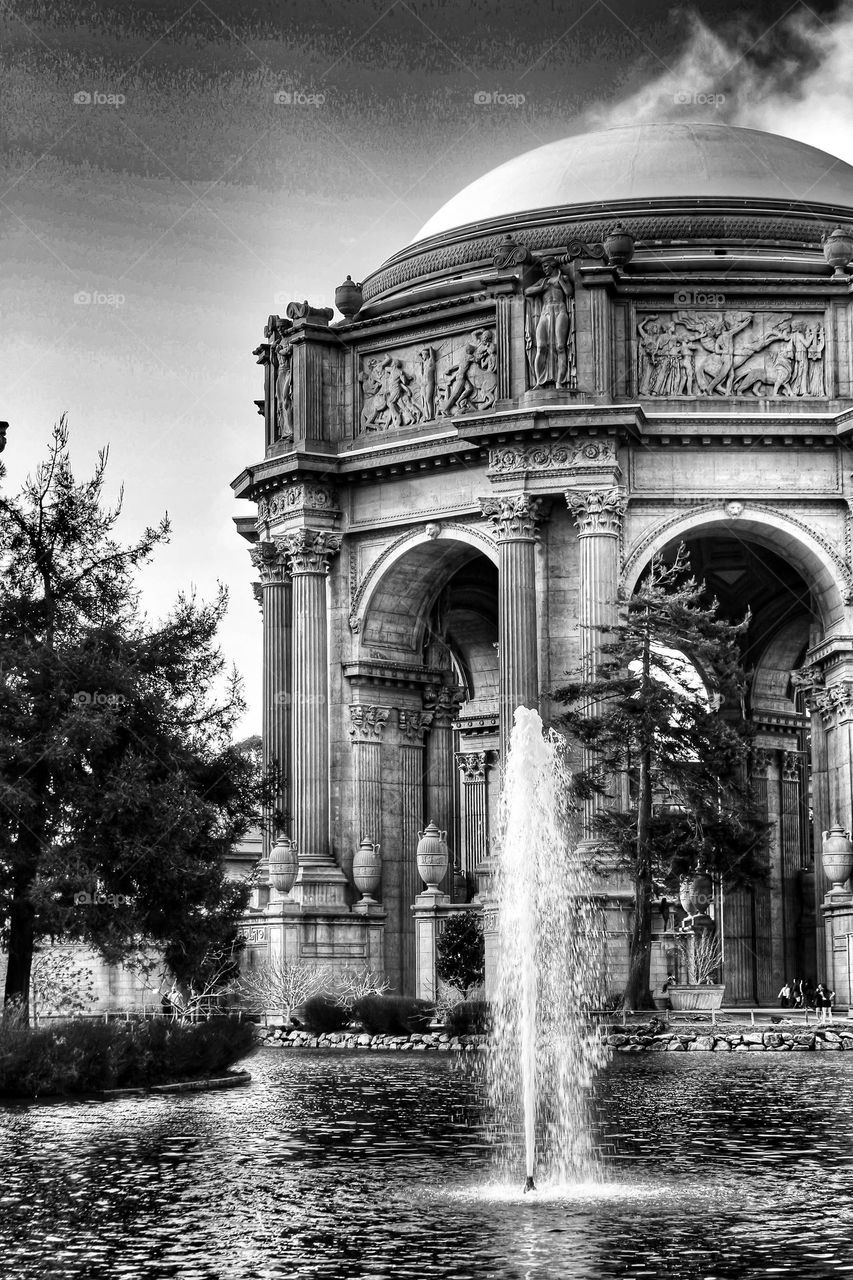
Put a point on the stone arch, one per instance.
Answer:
(393, 600)
(772, 689)
(820, 566)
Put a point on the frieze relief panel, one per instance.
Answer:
(443, 378)
(770, 354)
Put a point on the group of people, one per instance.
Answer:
(800, 994)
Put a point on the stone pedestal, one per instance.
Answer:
(413, 727)
(431, 909)
(837, 912)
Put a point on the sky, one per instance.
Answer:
(157, 202)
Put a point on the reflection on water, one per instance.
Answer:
(371, 1166)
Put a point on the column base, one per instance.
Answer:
(369, 907)
(321, 886)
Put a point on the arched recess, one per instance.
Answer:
(818, 564)
(394, 601)
(772, 688)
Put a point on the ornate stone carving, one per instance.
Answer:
(414, 724)
(598, 510)
(271, 563)
(513, 516)
(443, 702)
(734, 509)
(367, 722)
(402, 389)
(549, 328)
(298, 499)
(731, 353)
(283, 391)
(790, 766)
(569, 459)
(835, 703)
(511, 254)
(313, 315)
(309, 550)
(473, 765)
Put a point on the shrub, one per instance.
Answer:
(323, 1013)
(84, 1056)
(470, 1018)
(393, 1015)
(460, 953)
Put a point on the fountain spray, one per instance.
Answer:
(550, 962)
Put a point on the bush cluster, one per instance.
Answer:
(84, 1057)
(393, 1015)
(468, 1018)
(323, 1013)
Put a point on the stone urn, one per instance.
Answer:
(283, 864)
(837, 857)
(696, 893)
(432, 856)
(838, 249)
(367, 870)
(619, 246)
(349, 298)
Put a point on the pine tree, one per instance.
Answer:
(120, 789)
(666, 744)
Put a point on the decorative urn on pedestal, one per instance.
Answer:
(367, 870)
(619, 246)
(837, 857)
(432, 856)
(349, 298)
(284, 864)
(838, 249)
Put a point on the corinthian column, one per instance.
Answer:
(597, 514)
(413, 727)
(366, 728)
(276, 603)
(515, 521)
(440, 788)
(473, 768)
(319, 881)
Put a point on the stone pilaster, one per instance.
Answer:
(276, 606)
(320, 883)
(413, 728)
(440, 778)
(366, 726)
(832, 778)
(515, 520)
(598, 514)
(476, 836)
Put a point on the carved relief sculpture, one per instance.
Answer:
(730, 353)
(283, 391)
(549, 328)
(401, 390)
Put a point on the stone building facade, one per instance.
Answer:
(610, 345)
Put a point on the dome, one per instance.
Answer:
(650, 162)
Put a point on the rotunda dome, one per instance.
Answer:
(650, 162)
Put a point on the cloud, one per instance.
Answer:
(793, 78)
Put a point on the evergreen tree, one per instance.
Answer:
(669, 755)
(460, 953)
(120, 789)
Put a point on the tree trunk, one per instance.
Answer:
(637, 990)
(21, 945)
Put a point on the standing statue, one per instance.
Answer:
(426, 378)
(549, 330)
(284, 392)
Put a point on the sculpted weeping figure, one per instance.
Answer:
(549, 327)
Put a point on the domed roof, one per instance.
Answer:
(650, 162)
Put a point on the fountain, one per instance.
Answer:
(544, 1052)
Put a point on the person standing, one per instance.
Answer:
(784, 996)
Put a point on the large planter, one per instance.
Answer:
(432, 856)
(685, 998)
(367, 869)
(284, 864)
(837, 857)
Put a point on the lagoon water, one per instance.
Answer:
(380, 1165)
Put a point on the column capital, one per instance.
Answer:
(271, 563)
(597, 511)
(258, 593)
(514, 517)
(835, 703)
(790, 766)
(444, 702)
(414, 724)
(474, 765)
(367, 722)
(309, 550)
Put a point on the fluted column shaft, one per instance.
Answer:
(515, 520)
(598, 515)
(309, 553)
(413, 727)
(276, 604)
(473, 768)
(367, 724)
(440, 779)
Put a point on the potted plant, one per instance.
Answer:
(703, 957)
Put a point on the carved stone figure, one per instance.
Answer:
(284, 392)
(730, 353)
(549, 328)
(401, 390)
(426, 371)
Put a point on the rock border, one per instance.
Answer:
(436, 1042)
(778, 1040)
